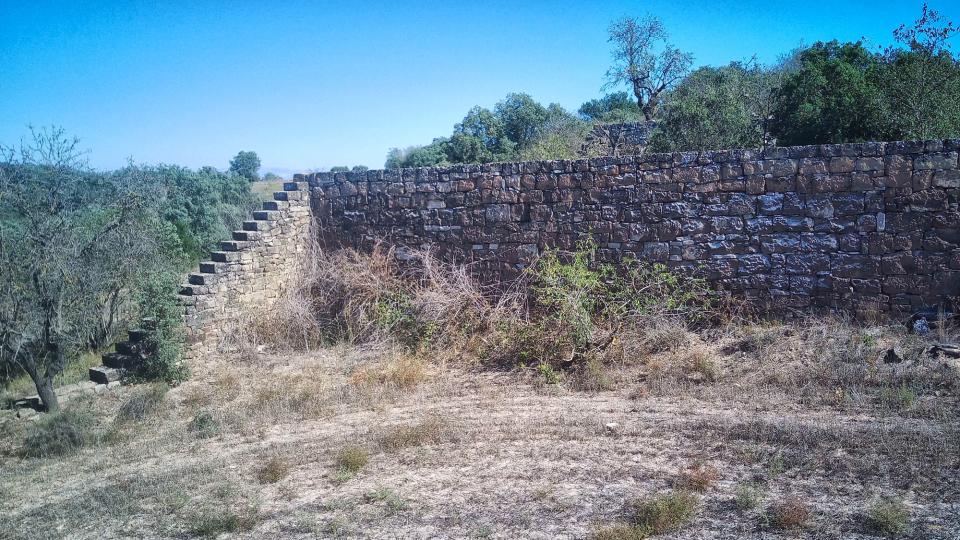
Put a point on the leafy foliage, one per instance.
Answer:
(246, 164)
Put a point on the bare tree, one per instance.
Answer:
(644, 60)
(71, 241)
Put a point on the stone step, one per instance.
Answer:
(247, 236)
(138, 334)
(261, 226)
(266, 215)
(128, 348)
(105, 375)
(233, 245)
(202, 279)
(296, 186)
(211, 267)
(116, 360)
(188, 289)
(225, 256)
(288, 195)
(275, 205)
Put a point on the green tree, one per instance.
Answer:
(360, 168)
(246, 164)
(339, 168)
(714, 108)
(616, 107)
(522, 117)
(644, 60)
(833, 96)
(921, 80)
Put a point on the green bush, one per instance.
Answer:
(889, 516)
(165, 340)
(665, 513)
(204, 425)
(59, 434)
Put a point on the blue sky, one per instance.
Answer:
(315, 84)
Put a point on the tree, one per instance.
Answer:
(271, 177)
(72, 244)
(246, 164)
(713, 108)
(921, 82)
(833, 96)
(645, 61)
(360, 168)
(616, 107)
(339, 168)
(522, 117)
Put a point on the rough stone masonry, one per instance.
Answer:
(870, 227)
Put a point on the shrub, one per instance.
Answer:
(212, 522)
(59, 434)
(161, 307)
(748, 496)
(665, 513)
(204, 425)
(790, 513)
(425, 432)
(144, 402)
(273, 470)
(889, 516)
(352, 458)
(620, 531)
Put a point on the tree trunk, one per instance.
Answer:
(47, 395)
(44, 385)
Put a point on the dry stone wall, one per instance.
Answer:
(250, 271)
(866, 227)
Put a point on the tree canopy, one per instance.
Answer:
(246, 164)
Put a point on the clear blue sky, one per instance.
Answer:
(316, 84)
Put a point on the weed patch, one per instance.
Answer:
(59, 434)
(429, 431)
(889, 516)
(146, 401)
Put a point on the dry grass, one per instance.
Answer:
(698, 478)
(352, 458)
(790, 513)
(273, 469)
(474, 417)
(428, 431)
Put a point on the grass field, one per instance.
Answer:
(264, 189)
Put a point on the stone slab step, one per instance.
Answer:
(275, 205)
(137, 335)
(225, 256)
(115, 360)
(233, 245)
(266, 215)
(202, 279)
(257, 226)
(211, 267)
(288, 195)
(247, 236)
(128, 348)
(188, 289)
(105, 375)
(296, 186)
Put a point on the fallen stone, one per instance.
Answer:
(105, 375)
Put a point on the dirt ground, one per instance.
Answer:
(462, 452)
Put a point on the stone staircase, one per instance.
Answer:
(235, 275)
(248, 270)
(126, 358)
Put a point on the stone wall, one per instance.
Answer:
(249, 271)
(868, 227)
